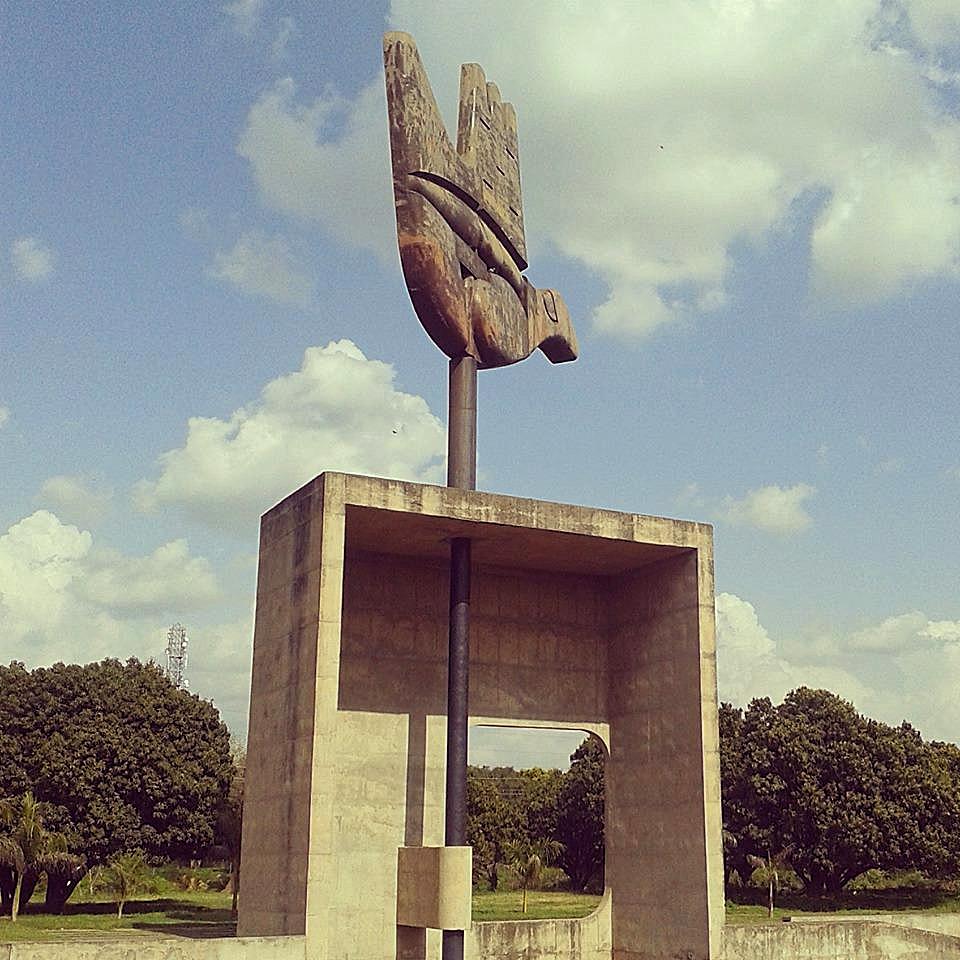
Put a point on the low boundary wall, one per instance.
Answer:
(878, 937)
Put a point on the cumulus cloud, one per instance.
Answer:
(909, 671)
(32, 261)
(666, 133)
(772, 508)
(63, 597)
(751, 664)
(219, 662)
(894, 633)
(169, 578)
(935, 23)
(340, 411)
(75, 499)
(325, 160)
(264, 266)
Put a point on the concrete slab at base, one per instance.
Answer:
(580, 618)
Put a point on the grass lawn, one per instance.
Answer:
(751, 913)
(185, 913)
(545, 905)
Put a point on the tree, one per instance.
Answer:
(491, 823)
(22, 848)
(845, 792)
(767, 870)
(527, 858)
(127, 875)
(230, 819)
(124, 758)
(64, 871)
(579, 818)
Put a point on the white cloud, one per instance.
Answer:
(167, 579)
(750, 664)
(62, 597)
(75, 499)
(65, 598)
(4, 415)
(935, 23)
(667, 132)
(244, 14)
(772, 508)
(264, 266)
(894, 633)
(325, 160)
(32, 261)
(903, 668)
(340, 411)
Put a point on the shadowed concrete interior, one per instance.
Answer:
(580, 618)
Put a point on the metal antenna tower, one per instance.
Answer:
(177, 656)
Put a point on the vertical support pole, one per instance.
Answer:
(462, 424)
(461, 473)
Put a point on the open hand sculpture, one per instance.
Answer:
(460, 219)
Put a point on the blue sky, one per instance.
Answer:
(752, 208)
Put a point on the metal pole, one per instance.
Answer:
(462, 424)
(461, 473)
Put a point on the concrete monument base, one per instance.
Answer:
(580, 618)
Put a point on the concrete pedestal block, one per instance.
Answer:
(580, 619)
(434, 887)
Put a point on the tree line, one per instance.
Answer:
(810, 787)
(110, 759)
(99, 763)
(515, 817)
(813, 784)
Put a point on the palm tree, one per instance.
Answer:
(127, 875)
(27, 840)
(528, 858)
(768, 869)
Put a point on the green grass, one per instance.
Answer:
(187, 914)
(798, 906)
(541, 905)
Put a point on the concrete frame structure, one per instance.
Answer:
(581, 618)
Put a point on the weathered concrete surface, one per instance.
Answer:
(948, 923)
(837, 940)
(581, 618)
(582, 939)
(434, 887)
(253, 948)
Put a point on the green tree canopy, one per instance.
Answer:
(843, 792)
(580, 803)
(124, 759)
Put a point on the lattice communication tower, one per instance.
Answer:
(177, 656)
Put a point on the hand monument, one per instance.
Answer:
(460, 220)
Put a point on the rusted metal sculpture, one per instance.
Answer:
(463, 252)
(460, 220)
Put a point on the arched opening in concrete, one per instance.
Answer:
(535, 820)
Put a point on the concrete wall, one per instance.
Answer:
(886, 937)
(837, 940)
(255, 948)
(586, 939)
(581, 618)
